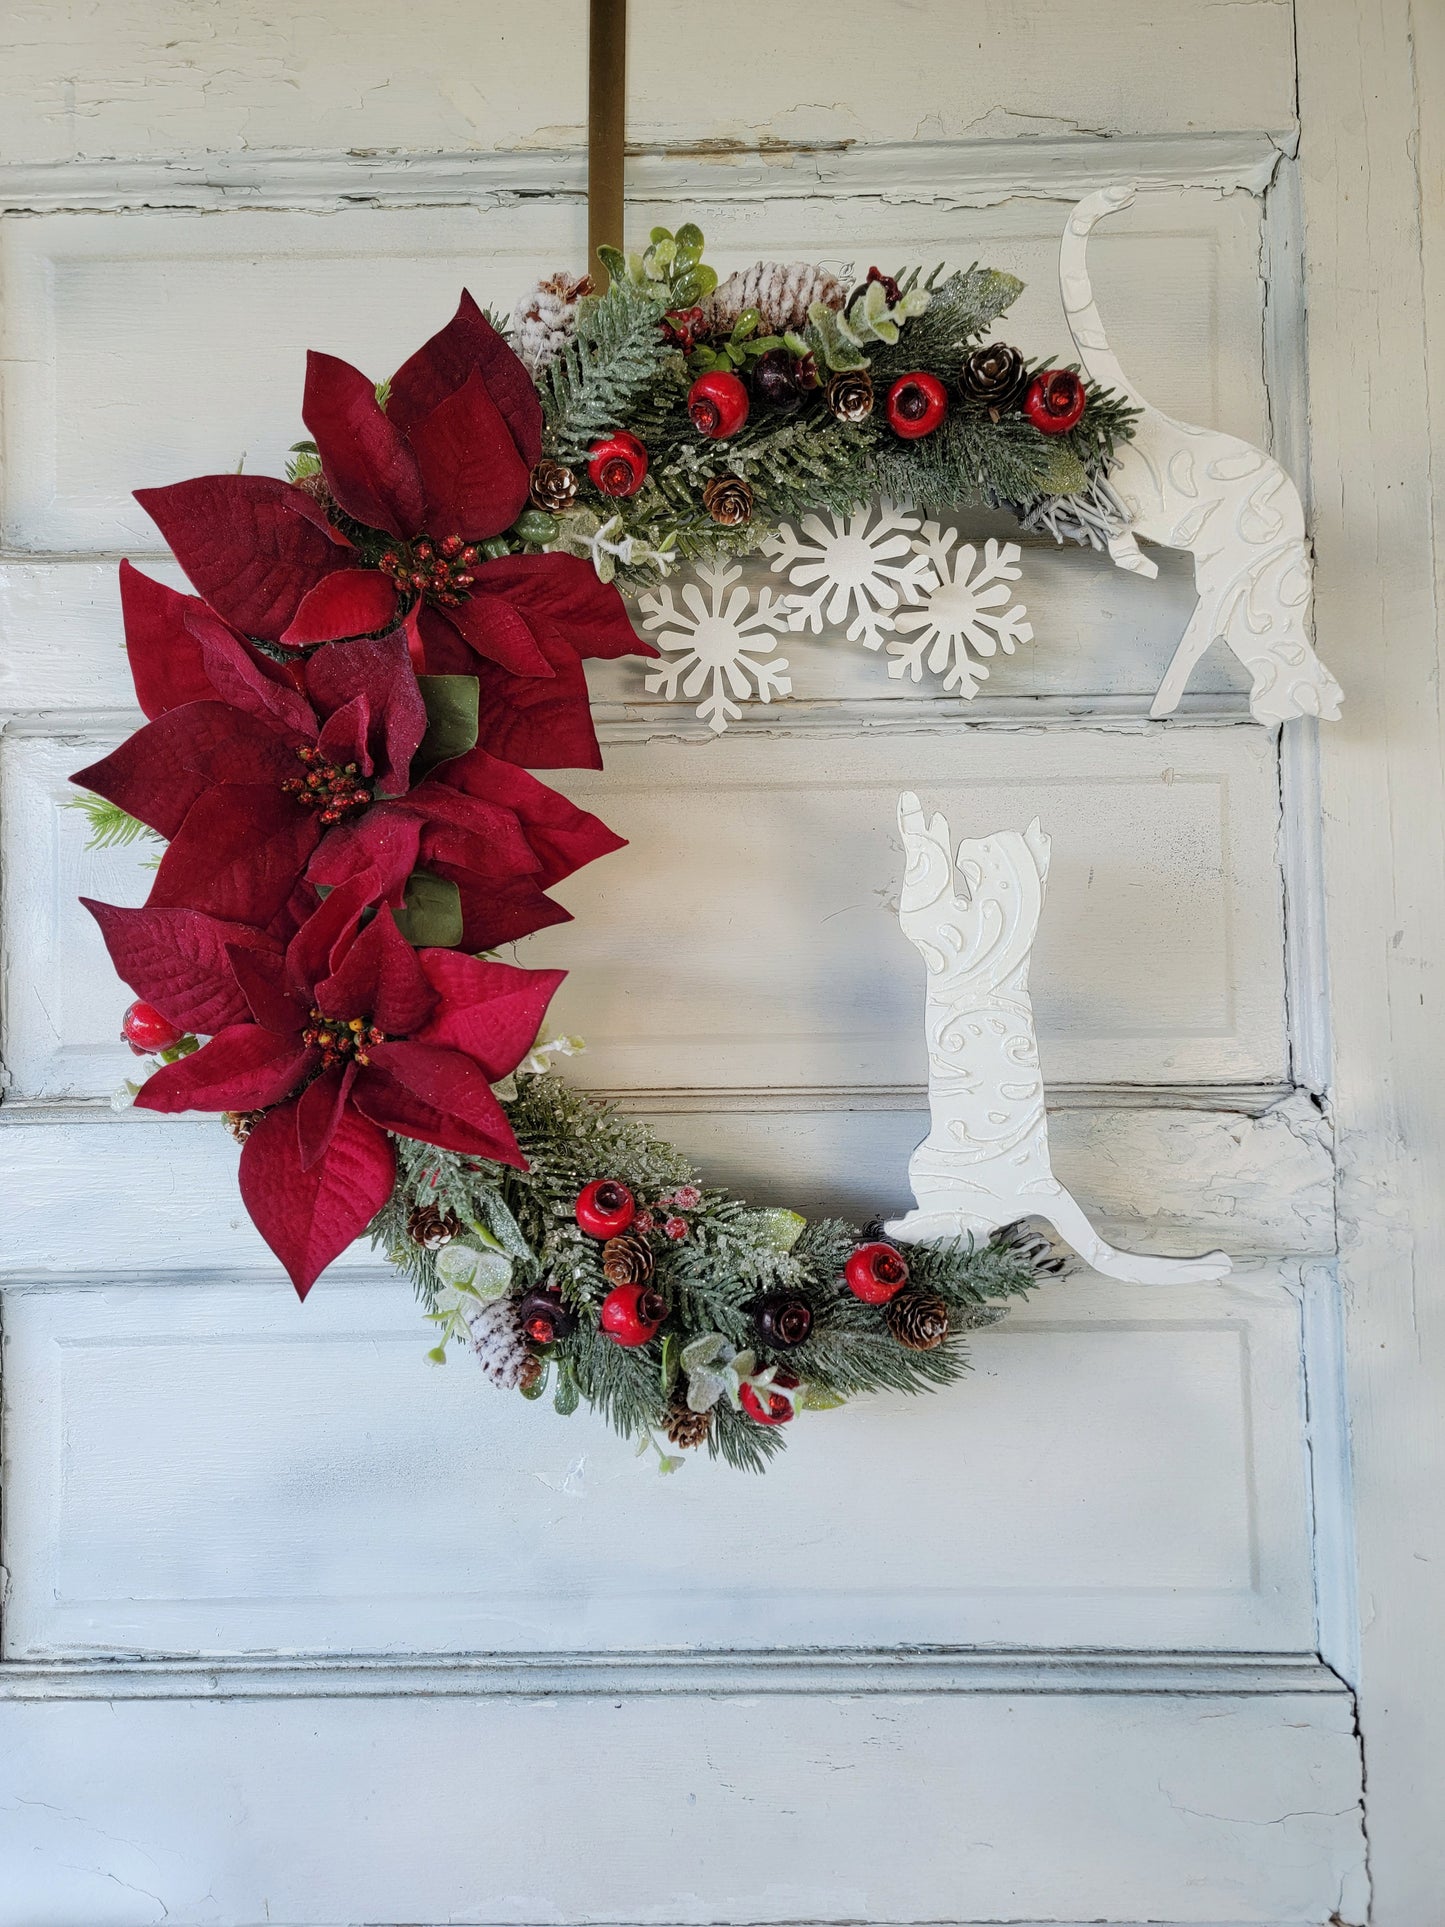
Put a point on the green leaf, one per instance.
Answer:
(566, 1398)
(813, 1398)
(433, 912)
(535, 525)
(659, 234)
(451, 718)
(689, 239)
(437, 1355)
(671, 1362)
(486, 1274)
(615, 262)
(535, 1390)
(746, 324)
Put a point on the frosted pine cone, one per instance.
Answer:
(498, 1341)
(543, 320)
(781, 293)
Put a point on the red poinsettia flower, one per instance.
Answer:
(344, 1036)
(253, 779)
(413, 490)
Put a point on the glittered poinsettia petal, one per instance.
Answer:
(164, 657)
(319, 1109)
(309, 1216)
(566, 592)
(440, 366)
(261, 975)
(364, 457)
(502, 910)
(379, 668)
(491, 1011)
(535, 722)
(163, 769)
(379, 977)
(385, 841)
(248, 682)
(253, 546)
(439, 1096)
(237, 855)
(322, 940)
(493, 628)
(349, 602)
(243, 1068)
(178, 960)
(563, 837)
(476, 483)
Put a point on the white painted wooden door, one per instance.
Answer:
(297, 1630)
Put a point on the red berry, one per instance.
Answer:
(146, 1031)
(632, 1313)
(1055, 401)
(618, 465)
(717, 404)
(916, 405)
(604, 1208)
(875, 1273)
(765, 1406)
(676, 1228)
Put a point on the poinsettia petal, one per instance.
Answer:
(379, 976)
(237, 855)
(466, 831)
(253, 546)
(319, 1109)
(491, 1011)
(567, 592)
(178, 961)
(500, 910)
(364, 457)
(379, 668)
(249, 683)
(309, 1217)
(385, 840)
(476, 483)
(343, 735)
(562, 836)
(160, 771)
(261, 975)
(535, 722)
(243, 1068)
(320, 943)
(348, 602)
(438, 1096)
(491, 626)
(441, 365)
(165, 659)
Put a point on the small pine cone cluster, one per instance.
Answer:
(627, 1260)
(429, 1226)
(728, 500)
(919, 1323)
(686, 1428)
(532, 1369)
(554, 487)
(781, 293)
(543, 320)
(499, 1342)
(241, 1123)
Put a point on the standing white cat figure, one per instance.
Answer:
(1227, 502)
(985, 1161)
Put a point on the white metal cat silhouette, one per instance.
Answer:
(985, 1161)
(1231, 505)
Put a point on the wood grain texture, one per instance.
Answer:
(1370, 167)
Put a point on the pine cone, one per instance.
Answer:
(241, 1123)
(627, 1260)
(781, 294)
(554, 487)
(430, 1227)
(686, 1428)
(728, 500)
(542, 321)
(531, 1372)
(919, 1323)
(994, 375)
(498, 1342)
(850, 397)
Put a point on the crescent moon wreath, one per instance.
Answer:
(343, 718)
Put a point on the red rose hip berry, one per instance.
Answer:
(604, 1208)
(717, 404)
(146, 1031)
(618, 465)
(1055, 401)
(766, 1406)
(916, 405)
(632, 1313)
(875, 1273)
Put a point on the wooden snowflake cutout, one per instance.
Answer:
(963, 613)
(716, 638)
(851, 565)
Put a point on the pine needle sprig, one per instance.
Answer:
(111, 827)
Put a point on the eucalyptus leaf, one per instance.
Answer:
(566, 1398)
(432, 915)
(451, 718)
(486, 1273)
(813, 1398)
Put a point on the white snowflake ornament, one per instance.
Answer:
(716, 638)
(962, 612)
(850, 568)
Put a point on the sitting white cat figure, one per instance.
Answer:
(985, 1161)
(1231, 505)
